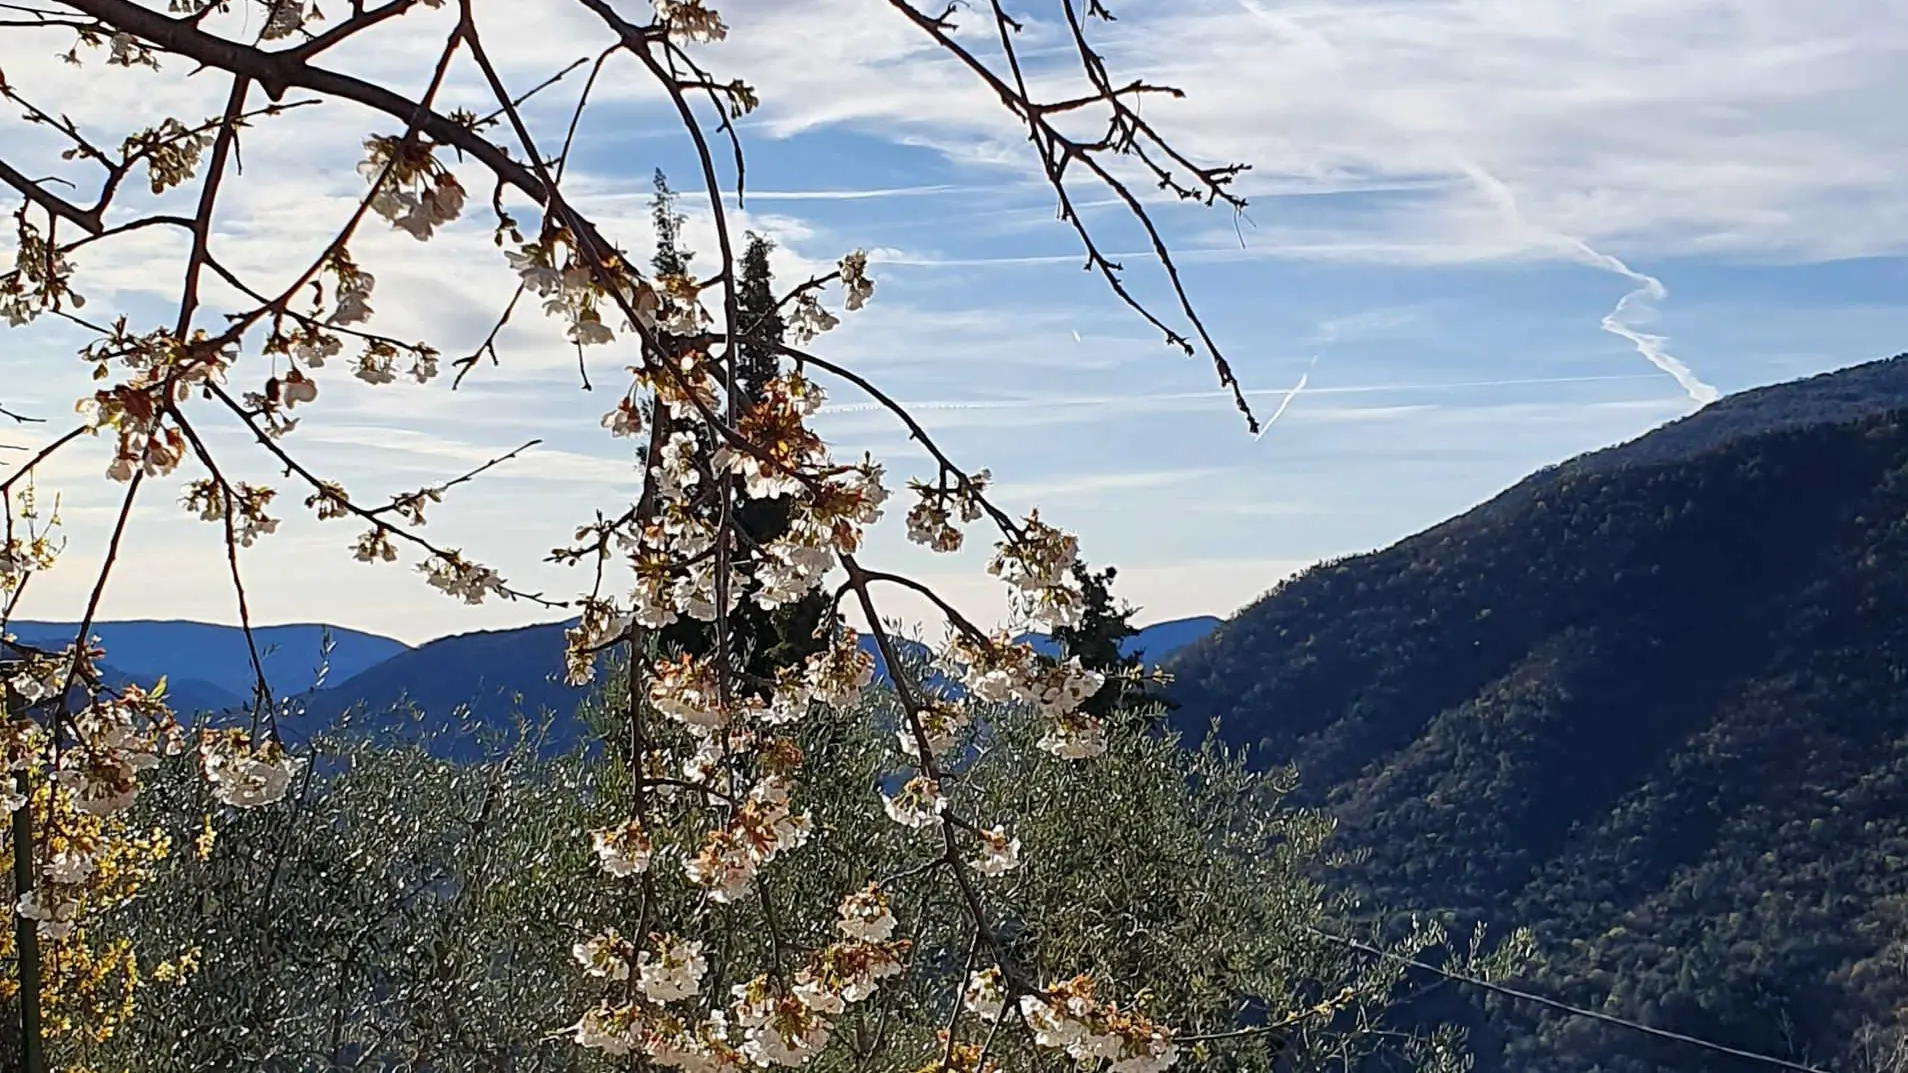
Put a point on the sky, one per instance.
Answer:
(1483, 235)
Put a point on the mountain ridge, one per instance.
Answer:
(219, 655)
(524, 668)
(1644, 701)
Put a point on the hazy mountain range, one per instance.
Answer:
(491, 673)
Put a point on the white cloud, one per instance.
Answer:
(1757, 129)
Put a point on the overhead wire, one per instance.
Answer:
(1564, 1007)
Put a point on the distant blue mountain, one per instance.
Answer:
(491, 674)
(188, 696)
(1152, 643)
(214, 660)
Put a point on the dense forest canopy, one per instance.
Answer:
(1647, 702)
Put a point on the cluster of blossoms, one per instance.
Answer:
(765, 1024)
(931, 519)
(672, 971)
(171, 151)
(939, 722)
(762, 823)
(1004, 671)
(164, 371)
(79, 785)
(1038, 568)
(27, 546)
(448, 572)
(351, 304)
(999, 853)
(38, 281)
(311, 339)
(242, 773)
(762, 827)
(124, 50)
(674, 554)
(554, 270)
(1037, 563)
(244, 504)
(918, 804)
(1068, 1017)
(415, 192)
(623, 850)
(690, 20)
(111, 741)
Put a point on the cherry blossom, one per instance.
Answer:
(623, 850)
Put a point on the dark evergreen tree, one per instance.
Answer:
(787, 634)
(1098, 640)
(761, 320)
(764, 640)
(670, 259)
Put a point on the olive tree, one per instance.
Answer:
(404, 911)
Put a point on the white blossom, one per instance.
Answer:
(623, 850)
(999, 853)
(69, 867)
(984, 996)
(1075, 738)
(865, 916)
(243, 775)
(603, 955)
(918, 805)
(778, 1030)
(53, 912)
(597, 1031)
(854, 279)
(674, 972)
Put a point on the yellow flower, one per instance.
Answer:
(207, 836)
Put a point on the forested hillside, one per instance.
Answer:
(1650, 703)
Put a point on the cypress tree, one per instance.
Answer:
(761, 320)
(766, 639)
(787, 634)
(685, 634)
(670, 259)
(1097, 639)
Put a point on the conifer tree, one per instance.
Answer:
(789, 634)
(1098, 642)
(767, 640)
(761, 319)
(670, 259)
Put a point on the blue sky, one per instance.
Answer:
(1442, 194)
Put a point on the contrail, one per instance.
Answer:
(1286, 402)
(1649, 289)
(1184, 396)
